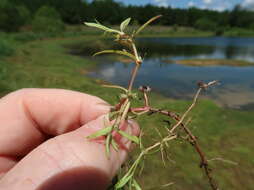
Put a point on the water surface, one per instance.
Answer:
(236, 89)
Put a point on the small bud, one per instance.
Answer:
(144, 89)
(203, 85)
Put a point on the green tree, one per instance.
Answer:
(205, 24)
(106, 11)
(70, 10)
(11, 17)
(24, 13)
(47, 19)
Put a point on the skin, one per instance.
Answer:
(43, 142)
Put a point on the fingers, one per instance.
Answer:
(29, 116)
(6, 163)
(68, 161)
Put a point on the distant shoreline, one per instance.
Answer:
(213, 62)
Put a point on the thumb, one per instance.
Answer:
(68, 161)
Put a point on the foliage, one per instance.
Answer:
(47, 19)
(5, 48)
(205, 24)
(238, 32)
(12, 17)
(70, 10)
(113, 12)
(24, 13)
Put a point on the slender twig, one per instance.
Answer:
(188, 110)
(223, 160)
(137, 65)
(133, 76)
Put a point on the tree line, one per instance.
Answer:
(17, 13)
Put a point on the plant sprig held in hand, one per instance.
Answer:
(124, 110)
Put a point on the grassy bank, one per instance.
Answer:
(226, 134)
(214, 62)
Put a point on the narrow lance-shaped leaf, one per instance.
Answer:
(124, 181)
(108, 143)
(114, 144)
(124, 24)
(130, 137)
(117, 52)
(96, 25)
(101, 132)
(129, 175)
(136, 185)
(147, 23)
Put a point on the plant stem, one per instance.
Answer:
(133, 76)
(135, 70)
(188, 110)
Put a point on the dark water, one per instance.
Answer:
(236, 89)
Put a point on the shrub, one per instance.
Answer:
(251, 27)
(5, 48)
(219, 31)
(239, 32)
(47, 19)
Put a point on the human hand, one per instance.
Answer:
(43, 144)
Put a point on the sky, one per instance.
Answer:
(219, 5)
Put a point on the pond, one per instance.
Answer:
(163, 75)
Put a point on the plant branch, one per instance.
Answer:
(188, 110)
(133, 76)
(137, 65)
(192, 139)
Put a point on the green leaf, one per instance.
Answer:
(108, 143)
(97, 25)
(117, 52)
(124, 180)
(101, 132)
(115, 145)
(136, 185)
(129, 175)
(112, 115)
(147, 23)
(124, 24)
(130, 137)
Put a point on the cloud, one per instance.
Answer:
(246, 2)
(249, 4)
(161, 3)
(217, 5)
(191, 4)
(207, 1)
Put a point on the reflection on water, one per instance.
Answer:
(204, 48)
(179, 81)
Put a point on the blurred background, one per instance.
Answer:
(44, 44)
